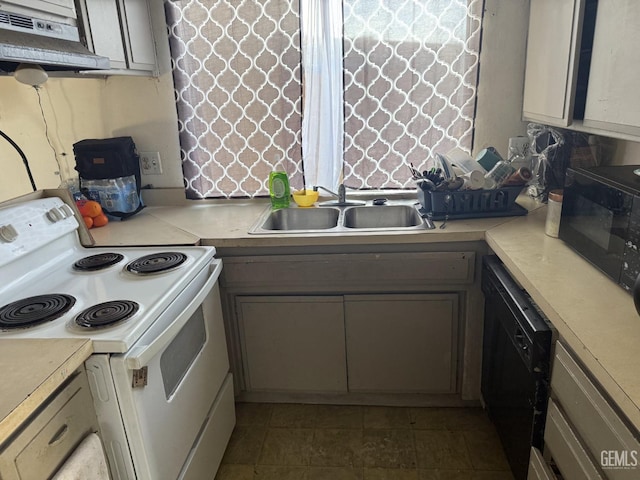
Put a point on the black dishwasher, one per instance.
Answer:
(515, 364)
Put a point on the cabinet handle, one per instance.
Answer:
(636, 294)
(59, 434)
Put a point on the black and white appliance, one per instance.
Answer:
(601, 219)
(516, 354)
(159, 374)
(44, 32)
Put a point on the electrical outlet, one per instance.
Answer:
(150, 163)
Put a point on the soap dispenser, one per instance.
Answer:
(279, 189)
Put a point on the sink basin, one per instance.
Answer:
(391, 216)
(340, 220)
(301, 219)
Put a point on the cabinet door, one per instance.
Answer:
(136, 25)
(592, 416)
(51, 435)
(293, 343)
(538, 469)
(553, 48)
(402, 343)
(613, 95)
(566, 449)
(64, 8)
(102, 25)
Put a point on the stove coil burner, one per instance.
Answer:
(97, 262)
(156, 263)
(33, 311)
(107, 314)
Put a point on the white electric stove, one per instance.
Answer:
(54, 287)
(160, 373)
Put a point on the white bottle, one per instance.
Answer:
(554, 211)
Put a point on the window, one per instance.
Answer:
(407, 83)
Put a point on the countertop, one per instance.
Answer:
(594, 316)
(31, 372)
(226, 223)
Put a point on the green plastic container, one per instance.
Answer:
(279, 190)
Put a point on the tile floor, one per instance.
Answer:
(326, 442)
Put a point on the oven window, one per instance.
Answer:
(593, 221)
(182, 352)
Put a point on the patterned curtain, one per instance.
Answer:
(236, 68)
(410, 73)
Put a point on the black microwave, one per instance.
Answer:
(601, 219)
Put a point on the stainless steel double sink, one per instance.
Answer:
(339, 219)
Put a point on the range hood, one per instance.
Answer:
(50, 44)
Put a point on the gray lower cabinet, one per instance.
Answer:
(52, 434)
(370, 343)
(293, 343)
(355, 324)
(401, 342)
(538, 468)
(585, 437)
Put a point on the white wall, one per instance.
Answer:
(80, 108)
(144, 108)
(500, 86)
(69, 109)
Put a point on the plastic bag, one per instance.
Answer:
(113, 194)
(552, 151)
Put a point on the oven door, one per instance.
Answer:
(595, 222)
(168, 382)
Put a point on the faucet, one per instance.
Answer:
(341, 196)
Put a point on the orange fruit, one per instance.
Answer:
(100, 220)
(88, 221)
(89, 208)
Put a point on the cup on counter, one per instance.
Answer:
(488, 158)
(473, 180)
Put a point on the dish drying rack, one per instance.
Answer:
(459, 204)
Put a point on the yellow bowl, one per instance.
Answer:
(305, 200)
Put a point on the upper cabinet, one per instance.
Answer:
(613, 98)
(551, 72)
(582, 66)
(122, 31)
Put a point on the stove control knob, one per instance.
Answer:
(55, 215)
(66, 211)
(8, 233)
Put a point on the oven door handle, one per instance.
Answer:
(141, 355)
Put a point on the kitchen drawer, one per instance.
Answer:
(538, 469)
(51, 436)
(384, 270)
(590, 413)
(563, 445)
